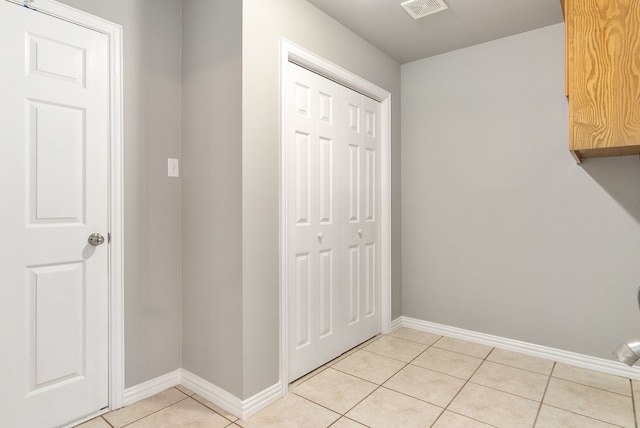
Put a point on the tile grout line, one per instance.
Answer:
(633, 404)
(378, 386)
(213, 410)
(473, 419)
(340, 415)
(329, 365)
(106, 421)
(466, 382)
(367, 380)
(406, 364)
(593, 387)
(371, 393)
(574, 412)
(535, 421)
(519, 368)
(444, 409)
(348, 418)
(585, 416)
(161, 409)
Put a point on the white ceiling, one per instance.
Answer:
(386, 25)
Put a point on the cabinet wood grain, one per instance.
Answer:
(603, 77)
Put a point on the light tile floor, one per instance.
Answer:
(414, 379)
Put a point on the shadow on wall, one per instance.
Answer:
(620, 178)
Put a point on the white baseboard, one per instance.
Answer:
(151, 387)
(396, 324)
(213, 393)
(245, 408)
(240, 408)
(559, 355)
(261, 400)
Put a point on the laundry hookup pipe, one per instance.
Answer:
(628, 352)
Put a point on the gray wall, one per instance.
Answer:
(502, 232)
(212, 191)
(264, 23)
(152, 62)
(223, 323)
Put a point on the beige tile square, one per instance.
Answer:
(143, 408)
(296, 383)
(512, 380)
(341, 357)
(335, 390)
(432, 387)
(592, 402)
(394, 347)
(448, 362)
(185, 390)
(95, 423)
(416, 336)
(521, 361)
(636, 401)
(369, 366)
(550, 417)
(453, 420)
(185, 413)
(635, 385)
(463, 347)
(370, 341)
(617, 384)
(385, 408)
(214, 407)
(345, 422)
(493, 407)
(291, 411)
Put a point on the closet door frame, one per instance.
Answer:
(291, 52)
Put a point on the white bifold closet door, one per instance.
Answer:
(332, 190)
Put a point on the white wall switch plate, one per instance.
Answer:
(174, 167)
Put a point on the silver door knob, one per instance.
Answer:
(96, 239)
(320, 235)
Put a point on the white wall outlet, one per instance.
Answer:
(174, 167)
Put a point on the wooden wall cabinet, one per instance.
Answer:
(603, 77)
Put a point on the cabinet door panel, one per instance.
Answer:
(604, 77)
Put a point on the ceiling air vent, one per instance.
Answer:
(421, 8)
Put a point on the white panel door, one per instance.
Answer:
(54, 141)
(360, 204)
(332, 263)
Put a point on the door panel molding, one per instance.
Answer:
(291, 52)
(116, 218)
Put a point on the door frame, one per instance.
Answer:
(115, 170)
(290, 52)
